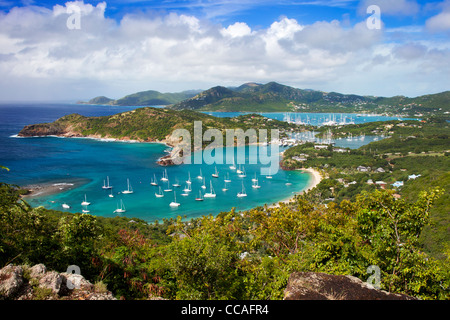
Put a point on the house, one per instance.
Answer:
(362, 169)
(297, 158)
(380, 170)
(340, 150)
(370, 181)
(320, 146)
(413, 176)
(398, 184)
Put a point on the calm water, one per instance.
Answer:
(86, 163)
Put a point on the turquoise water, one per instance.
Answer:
(88, 162)
(85, 164)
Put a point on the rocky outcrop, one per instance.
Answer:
(36, 283)
(322, 286)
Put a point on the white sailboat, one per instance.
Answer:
(255, 184)
(121, 209)
(106, 184)
(269, 176)
(225, 186)
(211, 193)
(242, 193)
(233, 166)
(239, 170)
(189, 178)
(111, 194)
(129, 189)
(65, 206)
(203, 186)
(174, 203)
(228, 178)
(176, 184)
(85, 202)
(153, 182)
(200, 176)
(187, 188)
(169, 189)
(254, 179)
(85, 210)
(215, 174)
(200, 196)
(159, 194)
(242, 174)
(165, 177)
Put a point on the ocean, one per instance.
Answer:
(82, 165)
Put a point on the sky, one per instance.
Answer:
(77, 50)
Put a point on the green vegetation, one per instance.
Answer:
(235, 255)
(144, 98)
(413, 149)
(148, 124)
(275, 97)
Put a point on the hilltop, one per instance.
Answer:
(276, 97)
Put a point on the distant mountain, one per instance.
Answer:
(255, 97)
(145, 98)
(262, 97)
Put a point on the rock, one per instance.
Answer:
(322, 286)
(76, 281)
(51, 280)
(37, 271)
(11, 281)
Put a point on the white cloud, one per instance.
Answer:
(441, 21)
(176, 52)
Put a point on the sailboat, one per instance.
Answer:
(159, 194)
(255, 184)
(211, 193)
(200, 197)
(242, 174)
(168, 187)
(269, 176)
(176, 184)
(65, 206)
(350, 138)
(228, 178)
(203, 186)
(85, 210)
(165, 177)
(189, 179)
(111, 194)
(242, 193)
(174, 203)
(239, 170)
(215, 174)
(187, 188)
(153, 182)
(254, 179)
(106, 185)
(121, 209)
(200, 175)
(233, 166)
(85, 202)
(129, 189)
(225, 186)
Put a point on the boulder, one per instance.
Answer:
(37, 271)
(51, 280)
(322, 286)
(11, 281)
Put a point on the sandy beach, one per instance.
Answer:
(50, 188)
(316, 177)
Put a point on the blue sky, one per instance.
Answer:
(126, 46)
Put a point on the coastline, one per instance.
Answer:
(315, 178)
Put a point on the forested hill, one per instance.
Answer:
(254, 97)
(145, 124)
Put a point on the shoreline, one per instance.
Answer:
(315, 179)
